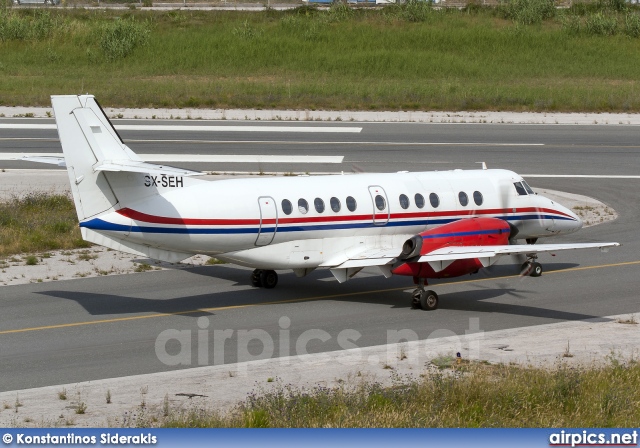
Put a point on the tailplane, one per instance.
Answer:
(105, 175)
(87, 138)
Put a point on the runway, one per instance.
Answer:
(377, 147)
(78, 330)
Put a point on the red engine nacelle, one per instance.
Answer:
(465, 232)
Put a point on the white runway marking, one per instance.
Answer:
(218, 158)
(289, 142)
(136, 127)
(337, 143)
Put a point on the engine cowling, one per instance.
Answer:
(464, 232)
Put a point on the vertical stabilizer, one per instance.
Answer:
(88, 138)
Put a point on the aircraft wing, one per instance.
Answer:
(348, 265)
(466, 252)
(439, 259)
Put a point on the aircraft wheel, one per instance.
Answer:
(415, 299)
(429, 300)
(255, 278)
(536, 269)
(269, 279)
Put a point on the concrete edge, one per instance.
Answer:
(348, 116)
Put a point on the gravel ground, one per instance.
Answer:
(346, 115)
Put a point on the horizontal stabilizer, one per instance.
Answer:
(46, 159)
(135, 166)
(126, 165)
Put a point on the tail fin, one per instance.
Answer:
(88, 138)
(92, 147)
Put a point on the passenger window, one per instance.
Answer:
(404, 201)
(520, 189)
(287, 208)
(434, 199)
(463, 198)
(335, 204)
(351, 204)
(381, 204)
(319, 205)
(527, 187)
(303, 206)
(477, 197)
(419, 200)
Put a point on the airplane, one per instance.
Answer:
(425, 225)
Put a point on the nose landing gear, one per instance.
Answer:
(264, 278)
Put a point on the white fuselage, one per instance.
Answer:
(249, 221)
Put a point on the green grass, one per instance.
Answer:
(397, 58)
(38, 222)
(484, 396)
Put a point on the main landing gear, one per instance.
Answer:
(263, 278)
(425, 299)
(531, 267)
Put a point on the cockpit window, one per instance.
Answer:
(527, 187)
(520, 189)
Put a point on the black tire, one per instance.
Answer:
(536, 270)
(525, 269)
(269, 279)
(415, 299)
(256, 282)
(429, 300)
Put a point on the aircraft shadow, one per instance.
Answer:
(475, 297)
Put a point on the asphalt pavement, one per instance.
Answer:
(104, 327)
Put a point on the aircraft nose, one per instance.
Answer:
(569, 223)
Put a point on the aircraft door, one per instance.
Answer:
(268, 220)
(380, 205)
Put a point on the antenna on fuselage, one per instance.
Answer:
(484, 165)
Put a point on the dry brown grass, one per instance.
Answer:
(38, 222)
(477, 396)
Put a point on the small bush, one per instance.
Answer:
(37, 26)
(527, 12)
(246, 31)
(632, 25)
(571, 24)
(410, 11)
(31, 260)
(120, 38)
(339, 11)
(600, 24)
(616, 5)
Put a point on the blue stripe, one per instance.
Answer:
(99, 224)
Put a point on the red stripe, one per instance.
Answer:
(144, 217)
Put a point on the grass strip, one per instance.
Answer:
(38, 222)
(409, 57)
(478, 396)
